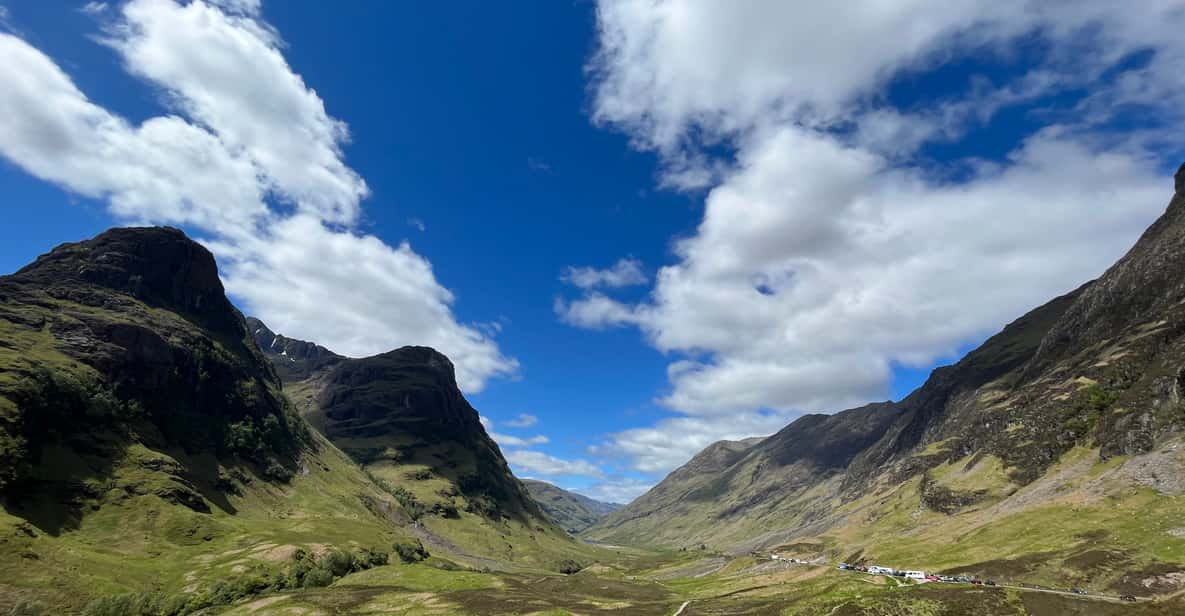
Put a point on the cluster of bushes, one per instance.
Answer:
(304, 571)
(412, 505)
(1088, 405)
(569, 567)
(260, 440)
(411, 551)
(415, 508)
(50, 406)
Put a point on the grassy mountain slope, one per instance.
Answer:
(573, 512)
(401, 416)
(1068, 421)
(144, 441)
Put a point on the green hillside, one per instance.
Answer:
(573, 512)
(1052, 454)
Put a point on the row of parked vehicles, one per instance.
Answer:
(914, 575)
(954, 579)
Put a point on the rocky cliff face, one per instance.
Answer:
(129, 339)
(1098, 370)
(293, 359)
(402, 415)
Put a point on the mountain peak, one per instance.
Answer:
(160, 266)
(1180, 179)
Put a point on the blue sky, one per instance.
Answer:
(636, 227)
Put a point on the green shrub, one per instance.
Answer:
(411, 551)
(568, 567)
(318, 577)
(338, 563)
(366, 558)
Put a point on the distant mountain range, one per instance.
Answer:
(574, 512)
(1036, 452)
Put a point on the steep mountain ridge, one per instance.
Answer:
(401, 416)
(138, 418)
(573, 512)
(1075, 402)
(301, 358)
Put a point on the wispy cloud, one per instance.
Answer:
(625, 272)
(524, 420)
(94, 8)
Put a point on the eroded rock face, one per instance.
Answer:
(159, 266)
(293, 359)
(400, 407)
(124, 339)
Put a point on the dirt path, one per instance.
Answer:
(682, 607)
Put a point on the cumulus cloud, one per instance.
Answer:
(538, 463)
(624, 273)
(827, 251)
(246, 133)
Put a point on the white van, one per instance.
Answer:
(915, 575)
(877, 570)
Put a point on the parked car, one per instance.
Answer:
(1078, 591)
(977, 582)
(931, 578)
(990, 582)
(1131, 598)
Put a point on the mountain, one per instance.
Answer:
(138, 419)
(401, 416)
(293, 360)
(1068, 421)
(574, 512)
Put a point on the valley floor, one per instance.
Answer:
(631, 582)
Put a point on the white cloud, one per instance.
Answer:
(616, 490)
(508, 440)
(524, 420)
(417, 223)
(227, 73)
(249, 131)
(670, 442)
(624, 273)
(534, 462)
(827, 253)
(94, 8)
